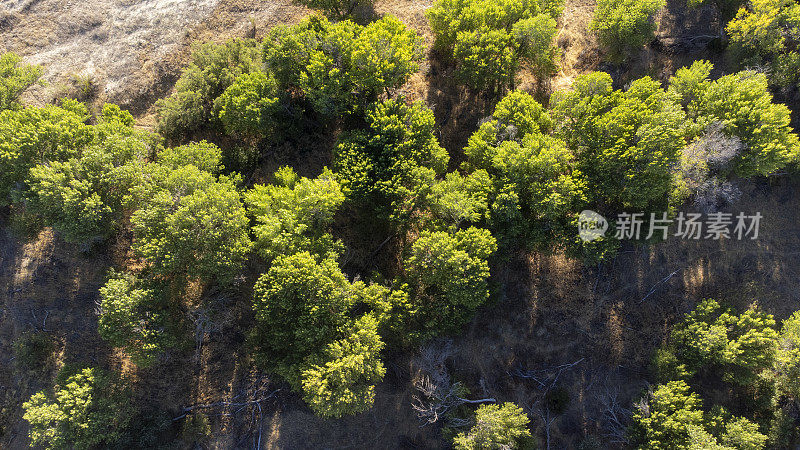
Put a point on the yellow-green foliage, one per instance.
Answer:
(490, 39)
(86, 410)
(496, 426)
(14, 79)
(624, 26)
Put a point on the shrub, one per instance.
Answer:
(624, 26)
(496, 426)
(86, 410)
(449, 275)
(390, 166)
(213, 69)
(294, 215)
(15, 79)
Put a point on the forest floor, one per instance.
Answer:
(592, 328)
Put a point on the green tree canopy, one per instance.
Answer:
(626, 143)
(82, 197)
(668, 418)
(787, 358)
(496, 427)
(735, 347)
(671, 417)
(248, 106)
(205, 156)
(743, 104)
(213, 69)
(490, 39)
(295, 214)
(624, 26)
(189, 222)
(345, 382)
(133, 317)
(301, 304)
(390, 166)
(86, 410)
(342, 67)
(449, 277)
(761, 34)
(32, 136)
(15, 78)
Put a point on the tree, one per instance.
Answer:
(203, 155)
(131, 317)
(390, 166)
(534, 37)
(247, 107)
(743, 105)
(460, 199)
(385, 55)
(624, 26)
(489, 39)
(301, 305)
(15, 79)
(759, 36)
(339, 9)
(213, 69)
(86, 410)
(487, 59)
(294, 214)
(32, 136)
(342, 67)
(190, 222)
(536, 188)
(449, 277)
(625, 143)
(669, 417)
(735, 347)
(787, 358)
(496, 427)
(345, 382)
(82, 197)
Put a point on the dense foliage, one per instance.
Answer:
(763, 33)
(341, 67)
(624, 26)
(85, 410)
(214, 68)
(496, 426)
(15, 78)
(390, 166)
(490, 39)
(202, 231)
